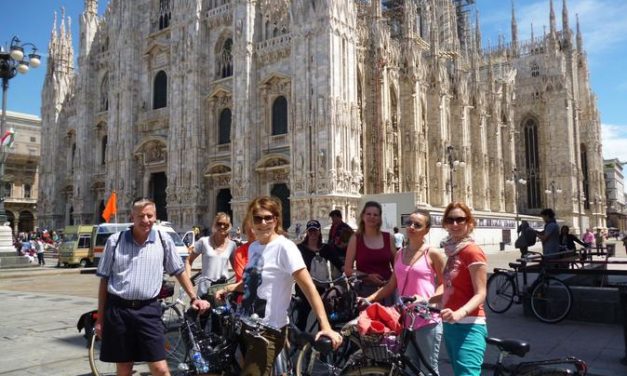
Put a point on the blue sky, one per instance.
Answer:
(604, 33)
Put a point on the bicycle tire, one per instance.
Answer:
(99, 368)
(551, 300)
(176, 353)
(500, 293)
(540, 371)
(311, 363)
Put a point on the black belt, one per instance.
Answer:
(134, 304)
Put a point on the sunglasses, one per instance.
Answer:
(222, 224)
(457, 220)
(257, 219)
(413, 224)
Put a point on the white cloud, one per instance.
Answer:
(614, 140)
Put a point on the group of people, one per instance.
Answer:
(33, 245)
(269, 264)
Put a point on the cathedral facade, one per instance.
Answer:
(205, 104)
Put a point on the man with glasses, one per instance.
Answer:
(131, 272)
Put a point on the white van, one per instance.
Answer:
(102, 232)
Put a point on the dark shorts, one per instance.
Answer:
(132, 334)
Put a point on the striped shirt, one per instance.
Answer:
(137, 271)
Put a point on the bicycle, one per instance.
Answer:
(340, 300)
(550, 298)
(550, 367)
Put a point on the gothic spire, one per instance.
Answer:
(514, 28)
(565, 23)
(477, 32)
(552, 19)
(91, 7)
(579, 37)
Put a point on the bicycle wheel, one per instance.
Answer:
(501, 292)
(541, 371)
(98, 368)
(551, 300)
(311, 363)
(176, 353)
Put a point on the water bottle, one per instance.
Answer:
(199, 362)
(333, 316)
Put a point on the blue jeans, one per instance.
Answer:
(428, 339)
(465, 344)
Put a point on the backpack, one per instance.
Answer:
(320, 268)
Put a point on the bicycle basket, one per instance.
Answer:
(167, 290)
(380, 347)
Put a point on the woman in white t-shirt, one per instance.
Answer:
(274, 263)
(216, 250)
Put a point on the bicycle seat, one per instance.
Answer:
(515, 265)
(512, 346)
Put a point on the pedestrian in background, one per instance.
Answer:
(370, 251)
(399, 239)
(465, 276)
(339, 234)
(549, 235)
(131, 272)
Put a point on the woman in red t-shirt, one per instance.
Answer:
(465, 277)
(371, 250)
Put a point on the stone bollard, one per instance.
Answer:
(622, 292)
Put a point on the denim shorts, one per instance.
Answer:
(132, 334)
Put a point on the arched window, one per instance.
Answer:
(225, 59)
(73, 156)
(279, 116)
(535, 70)
(27, 190)
(164, 14)
(103, 150)
(532, 160)
(160, 91)
(104, 93)
(224, 127)
(586, 178)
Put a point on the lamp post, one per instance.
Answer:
(513, 181)
(553, 189)
(12, 62)
(452, 167)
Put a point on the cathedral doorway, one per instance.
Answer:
(282, 192)
(101, 208)
(27, 222)
(157, 186)
(223, 202)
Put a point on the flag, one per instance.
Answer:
(8, 137)
(111, 207)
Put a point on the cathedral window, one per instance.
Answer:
(103, 150)
(104, 93)
(224, 127)
(73, 156)
(279, 116)
(532, 160)
(586, 177)
(165, 14)
(160, 91)
(7, 189)
(535, 70)
(225, 59)
(27, 190)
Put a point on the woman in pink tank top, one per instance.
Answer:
(371, 250)
(418, 271)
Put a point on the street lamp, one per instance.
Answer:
(513, 181)
(552, 190)
(11, 63)
(452, 166)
